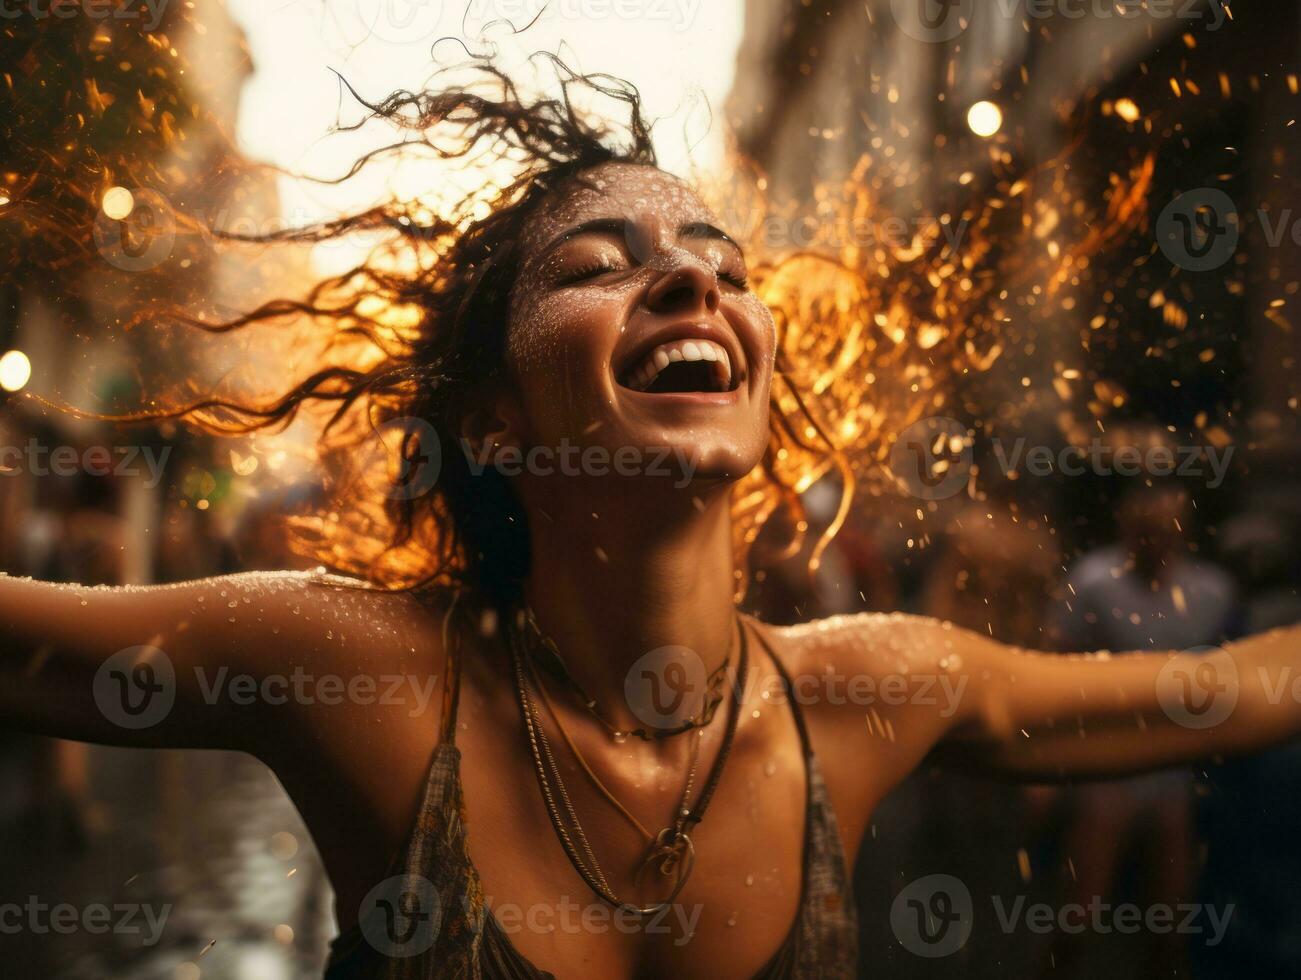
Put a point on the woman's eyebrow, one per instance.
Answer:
(598, 226)
(620, 226)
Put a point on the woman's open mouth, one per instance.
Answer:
(682, 366)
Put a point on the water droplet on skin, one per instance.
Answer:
(770, 769)
(749, 881)
(731, 921)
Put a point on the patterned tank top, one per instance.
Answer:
(464, 941)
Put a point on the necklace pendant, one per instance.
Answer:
(671, 855)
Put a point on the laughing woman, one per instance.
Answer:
(615, 742)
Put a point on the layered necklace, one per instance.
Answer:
(546, 653)
(670, 852)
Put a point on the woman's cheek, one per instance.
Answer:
(560, 350)
(757, 311)
(568, 328)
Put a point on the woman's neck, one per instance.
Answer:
(611, 581)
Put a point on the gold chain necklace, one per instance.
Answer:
(672, 847)
(554, 664)
(660, 856)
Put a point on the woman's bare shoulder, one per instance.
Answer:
(312, 614)
(893, 642)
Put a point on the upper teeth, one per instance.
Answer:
(645, 373)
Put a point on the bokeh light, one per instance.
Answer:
(15, 370)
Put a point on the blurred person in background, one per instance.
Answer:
(1249, 821)
(69, 534)
(1145, 592)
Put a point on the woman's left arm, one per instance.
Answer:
(1046, 716)
(1040, 717)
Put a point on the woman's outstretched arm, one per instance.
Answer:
(216, 663)
(1097, 715)
(971, 702)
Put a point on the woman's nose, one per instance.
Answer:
(686, 289)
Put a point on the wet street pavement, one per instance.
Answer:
(195, 867)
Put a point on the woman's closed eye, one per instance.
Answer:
(583, 271)
(735, 277)
(730, 269)
(727, 263)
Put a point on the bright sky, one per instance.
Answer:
(680, 54)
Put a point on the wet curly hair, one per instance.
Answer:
(423, 374)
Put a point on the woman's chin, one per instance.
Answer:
(719, 463)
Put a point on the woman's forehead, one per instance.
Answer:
(634, 193)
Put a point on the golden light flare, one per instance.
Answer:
(15, 370)
(118, 203)
(985, 118)
(1127, 109)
